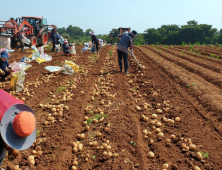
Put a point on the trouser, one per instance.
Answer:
(21, 45)
(97, 47)
(124, 56)
(6, 74)
(67, 51)
(53, 46)
(111, 42)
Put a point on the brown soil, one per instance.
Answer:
(160, 85)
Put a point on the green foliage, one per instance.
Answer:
(192, 33)
(205, 155)
(60, 89)
(38, 133)
(110, 53)
(183, 44)
(132, 143)
(212, 55)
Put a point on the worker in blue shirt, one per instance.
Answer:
(4, 71)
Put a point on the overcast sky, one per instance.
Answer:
(103, 15)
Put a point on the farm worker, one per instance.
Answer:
(38, 28)
(66, 47)
(4, 71)
(101, 43)
(111, 40)
(53, 38)
(18, 126)
(95, 41)
(122, 49)
(20, 37)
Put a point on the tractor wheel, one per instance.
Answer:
(44, 38)
(33, 41)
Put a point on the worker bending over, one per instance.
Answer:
(66, 47)
(122, 49)
(4, 71)
(95, 41)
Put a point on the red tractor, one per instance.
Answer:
(35, 29)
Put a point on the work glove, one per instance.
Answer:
(2, 72)
(11, 151)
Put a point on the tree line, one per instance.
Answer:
(191, 33)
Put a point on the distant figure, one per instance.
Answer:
(111, 39)
(95, 41)
(122, 49)
(53, 38)
(66, 47)
(20, 37)
(38, 28)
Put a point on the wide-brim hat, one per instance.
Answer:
(92, 32)
(4, 54)
(134, 33)
(16, 120)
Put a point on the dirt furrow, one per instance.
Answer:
(196, 86)
(200, 62)
(193, 117)
(208, 75)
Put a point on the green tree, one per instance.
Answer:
(152, 36)
(192, 23)
(87, 32)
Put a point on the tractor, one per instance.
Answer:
(124, 30)
(35, 29)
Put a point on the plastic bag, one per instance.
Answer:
(61, 40)
(85, 48)
(57, 46)
(73, 50)
(25, 59)
(17, 81)
(41, 49)
(92, 49)
(12, 64)
(30, 56)
(40, 60)
(26, 41)
(71, 64)
(86, 45)
(46, 57)
(66, 69)
(24, 66)
(16, 67)
(53, 68)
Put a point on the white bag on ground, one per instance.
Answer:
(53, 68)
(41, 50)
(46, 57)
(66, 69)
(5, 42)
(57, 46)
(73, 50)
(26, 41)
(17, 81)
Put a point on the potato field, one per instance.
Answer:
(164, 116)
